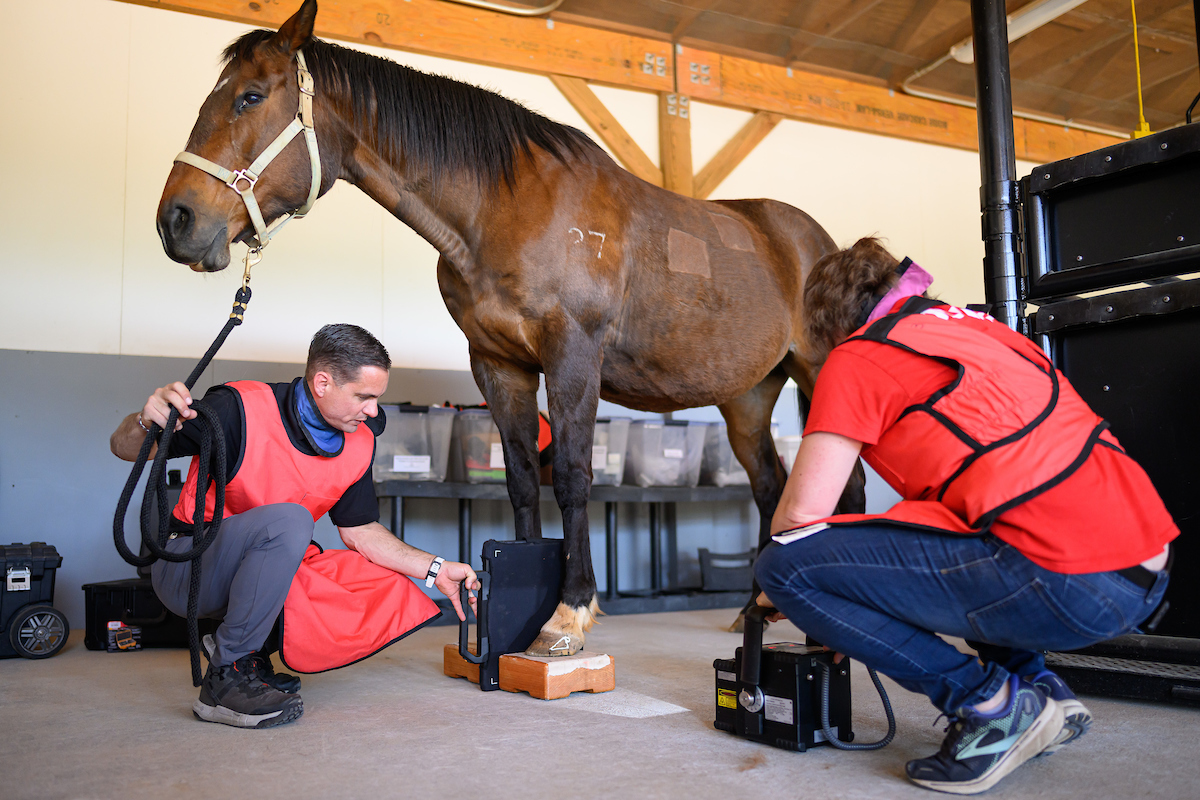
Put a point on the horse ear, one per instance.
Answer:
(296, 32)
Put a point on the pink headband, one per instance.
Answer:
(913, 281)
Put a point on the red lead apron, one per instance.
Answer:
(342, 608)
(1006, 430)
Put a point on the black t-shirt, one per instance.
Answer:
(357, 505)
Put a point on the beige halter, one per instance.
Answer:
(243, 180)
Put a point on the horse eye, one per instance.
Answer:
(249, 99)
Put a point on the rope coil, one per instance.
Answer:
(214, 470)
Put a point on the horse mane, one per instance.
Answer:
(432, 121)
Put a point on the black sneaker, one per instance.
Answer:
(235, 695)
(1076, 717)
(289, 684)
(980, 749)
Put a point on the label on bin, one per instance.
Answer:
(497, 460)
(673, 452)
(599, 456)
(614, 463)
(410, 463)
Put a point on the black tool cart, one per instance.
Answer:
(30, 626)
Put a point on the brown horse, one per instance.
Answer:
(554, 260)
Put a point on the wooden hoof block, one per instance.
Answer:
(549, 678)
(455, 666)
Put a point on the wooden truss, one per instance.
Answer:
(573, 56)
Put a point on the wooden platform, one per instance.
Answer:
(456, 666)
(552, 678)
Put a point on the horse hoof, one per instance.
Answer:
(563, 633)
(553, 644)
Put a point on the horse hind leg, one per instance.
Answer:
(748, 419)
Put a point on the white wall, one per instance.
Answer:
(99, 96)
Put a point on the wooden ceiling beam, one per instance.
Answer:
(611, 132)
(734, 152)
(618, 59)
(904, 35)
(675, 142)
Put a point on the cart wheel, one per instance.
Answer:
(38, 632)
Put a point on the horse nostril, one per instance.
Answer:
(180, 220)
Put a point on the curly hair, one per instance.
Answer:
(842, 289)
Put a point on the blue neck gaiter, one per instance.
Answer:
(323, 435)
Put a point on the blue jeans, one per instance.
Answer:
(879, 593)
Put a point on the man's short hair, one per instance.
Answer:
(343, 350)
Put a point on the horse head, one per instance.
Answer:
(203, 209)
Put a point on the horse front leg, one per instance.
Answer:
(511, 394)
(573, 389)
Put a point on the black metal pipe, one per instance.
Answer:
(610, 542)
(999, 190)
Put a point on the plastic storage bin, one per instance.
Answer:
(720, 466)
(415, 445)
(478, 454)
(608, 450)
(664, 453)
(787, 447)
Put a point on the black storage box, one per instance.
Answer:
(133, 604)
(790, 681)
(27, 571)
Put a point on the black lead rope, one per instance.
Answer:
(213, 472)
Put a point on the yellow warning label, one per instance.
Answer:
(726, 698)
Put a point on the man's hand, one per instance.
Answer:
(127, 439)
(158, 405)
(453, 575)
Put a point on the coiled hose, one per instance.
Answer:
(831, 737)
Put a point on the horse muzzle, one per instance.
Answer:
(187, 239)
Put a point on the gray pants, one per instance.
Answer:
(245, 575)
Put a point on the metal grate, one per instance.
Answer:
(1155, 669)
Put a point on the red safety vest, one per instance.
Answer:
(1007, 429)
(341, 608)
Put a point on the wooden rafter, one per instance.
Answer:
(733, 153)
(631, 61)
(611, 132)
(675, 142)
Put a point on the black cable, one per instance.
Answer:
(1188, 115)
(214, 470)
(831, 737)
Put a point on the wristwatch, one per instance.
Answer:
(434, 569)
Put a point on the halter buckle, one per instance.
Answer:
(305, 80)
(242, 175)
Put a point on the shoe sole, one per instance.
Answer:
(1076, 721)
(1037, 738)
(227, 716)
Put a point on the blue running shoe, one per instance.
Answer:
(1076, 717)
(980, 749)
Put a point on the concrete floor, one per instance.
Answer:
(86, 724)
